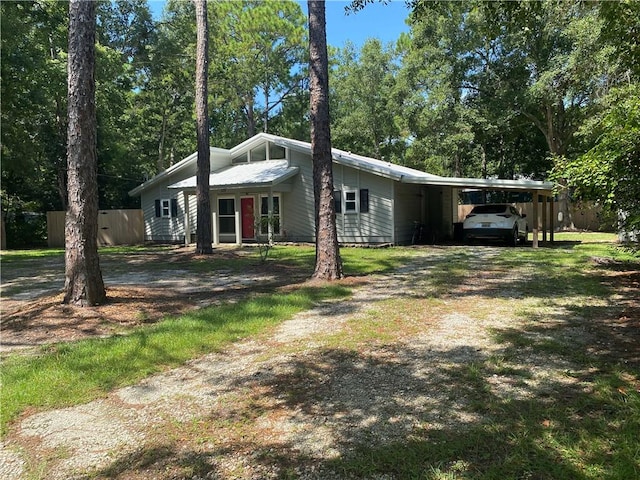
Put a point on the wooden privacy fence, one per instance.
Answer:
(115, 227)
(584, 216)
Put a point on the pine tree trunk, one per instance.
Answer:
(203, 232)
(83, 279)
(328, 262)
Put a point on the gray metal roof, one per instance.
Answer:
(274, 171)
(256, 174)
(404, 174)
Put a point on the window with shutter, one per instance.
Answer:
(337, 200)
(364, 200)
(350, 203)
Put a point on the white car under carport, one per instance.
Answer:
(496, 221)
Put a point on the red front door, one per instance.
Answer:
(248, 217)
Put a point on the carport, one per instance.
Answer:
(541, 195)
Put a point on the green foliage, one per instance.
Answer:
(458, 86)
(477, 88)
(364, 111)
(258, 49)
(609, 172)
(621, 31)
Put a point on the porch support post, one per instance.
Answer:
(187, 219)
(216, 228)
(215, 224)
(238, 221)
(535, 220)
(269, 216)
(544, 218)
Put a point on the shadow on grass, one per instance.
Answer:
(556, 398)
(408, 413)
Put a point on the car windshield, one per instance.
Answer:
(489, 209)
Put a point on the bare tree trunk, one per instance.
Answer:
(163, 132)
(265, 127)
(83, 279)
(328, 262)
(203, 232)
(484, 161)
(251, 117)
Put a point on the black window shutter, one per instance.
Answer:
(174, 207)
(364, 200)
(158, 212)
(337, 199)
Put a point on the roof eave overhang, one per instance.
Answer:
(292, 171)
(484, 184)
(186, 162)
(342, 159)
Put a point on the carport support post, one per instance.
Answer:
(544, 218)
(216, 229)
(534, 231)
(552, 218)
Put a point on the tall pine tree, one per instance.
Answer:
(328, 262)
(203, 232)
(83, 278)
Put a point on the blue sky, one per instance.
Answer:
(385, 22)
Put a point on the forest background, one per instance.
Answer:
(479, 89)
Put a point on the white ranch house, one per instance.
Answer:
(271, 177)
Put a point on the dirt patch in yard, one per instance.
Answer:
(47, 319)
(141, 288)
(620, 332)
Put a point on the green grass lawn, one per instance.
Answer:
(66, 374)
(582, 425)
(71, 373)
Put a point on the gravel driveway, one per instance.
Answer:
(292, 391)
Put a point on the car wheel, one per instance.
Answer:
(513, 241)
(523, 239)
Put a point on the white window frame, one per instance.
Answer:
(266, 215)
(221, 216)
(165, 208)
(354, 201)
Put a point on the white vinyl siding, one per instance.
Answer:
(299, 223)
(408, 209)
(163, 228)
(375, 209)
(376, 224)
